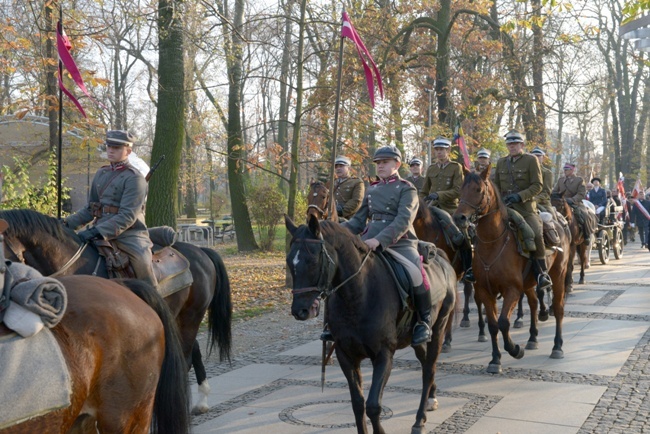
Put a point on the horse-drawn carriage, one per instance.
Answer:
(609, 236)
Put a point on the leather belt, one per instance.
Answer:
(98, 209)
(382, 217)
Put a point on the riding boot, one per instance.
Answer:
(327, 334)
(466, 257)
(422, 302)
(541, 274)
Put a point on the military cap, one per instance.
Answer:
(387, 152)
(595, 178)
(483, 153)
(415, 161)
(568, 166)
(441, 142)
(342, 160)
(514, 136)
(119, 138)
(538, 151)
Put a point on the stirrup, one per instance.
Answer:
(327, 336)
(421, 333)
(547, 286)
(469, 276)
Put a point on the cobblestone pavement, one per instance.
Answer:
(601, 386)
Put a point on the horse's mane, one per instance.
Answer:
(27, 224)
(424, 213)
(340, 236)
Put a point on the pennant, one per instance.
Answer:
(460, 141)
(348, 31)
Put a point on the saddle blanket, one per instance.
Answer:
(34, 377)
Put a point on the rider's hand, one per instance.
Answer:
(432, 196)
(89, 234)
(372, 243)
(512, 198)
(339, 209)
(569, 201)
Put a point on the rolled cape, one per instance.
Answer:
(44, 296)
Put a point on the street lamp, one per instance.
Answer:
(428, 132)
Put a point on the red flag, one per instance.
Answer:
(637, 190)
(348, 31)
(460, 141)
(621, 185)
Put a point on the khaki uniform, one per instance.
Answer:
(348, 193)
(543, 199)
(117, 199)
(419, 182)
(572, 188)
(446, 181)
(523, 175)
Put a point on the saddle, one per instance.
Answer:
(171, 268)
(453, 236)
(526, 237)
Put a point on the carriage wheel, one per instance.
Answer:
(604, 246)
(618, 243)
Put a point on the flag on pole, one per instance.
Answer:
(460, 141)
(621, 185)
(348, 31)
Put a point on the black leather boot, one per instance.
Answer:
(327, 335)
(466, 257)
(544, 282)
(422, 302)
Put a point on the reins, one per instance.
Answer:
(71, 261)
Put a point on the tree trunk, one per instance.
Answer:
(442, 61)
(283, 121)
(539, 130)
(169, 133)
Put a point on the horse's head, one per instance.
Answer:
(318, 200)
(558, 201)
(311, 266)
(477, 198)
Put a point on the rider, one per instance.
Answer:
(442, 187)
(482, 160)
(116, 206)
(598, 197)
(543, 199)
(416, 178)
(573, 189)
(519, 178)
(385, 220)
(348, 190)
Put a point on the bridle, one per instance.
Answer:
(19, 255)
(323, 212)
(327, 269)
(483, 205)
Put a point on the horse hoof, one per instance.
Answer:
(581, 282)
(518, 352)
(543, 316)
(493, 368)
(417, 430)
(519, 323)
(557, 354)
(482, 338)
(446, 348)
(199, 409)
(432, 404)
(532, 345)
(464, 323)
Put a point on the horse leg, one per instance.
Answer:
(519, 322)
(481, 320)
(468, 289)
(509, 302)
(201, 379)
(584, 252)
(494, 367)
(558, 312)
(446, 345)
(352, 371)
(381, 367)
(533, 304)
(569, 276)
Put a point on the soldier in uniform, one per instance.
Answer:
(519, 179)
(573, 189)
(442, 188)
(116, 206)
(385, 220)
(543, 199)
(482, 160)
(348, 190)
(416, 178)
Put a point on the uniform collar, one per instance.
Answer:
(443, 165)
(516, 157)
(391, 178)
(120, 165)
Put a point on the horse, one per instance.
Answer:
(123, 353)
(44, 243)
(500, 269)
(579, 244)
(318, 198)
(365, 311)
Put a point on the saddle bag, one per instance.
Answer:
(117, 262)
(427, 251)
(551, 237)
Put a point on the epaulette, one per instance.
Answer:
(406, 181)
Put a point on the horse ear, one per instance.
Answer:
(485, 174)
(465, 170)
(314, 226)
(291, 226)
(3, 226)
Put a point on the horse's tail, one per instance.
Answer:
(220, 310)
(171, 411)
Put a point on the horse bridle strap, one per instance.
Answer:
(328, 268)
(71, 260)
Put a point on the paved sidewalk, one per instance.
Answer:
(600, 386)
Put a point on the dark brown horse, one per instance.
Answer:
(578, 243)
(318, 198)
(126, 366)
(365, 310)
(500, 269)
(45, 244)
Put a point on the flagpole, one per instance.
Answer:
(60, 147)
(332, 202)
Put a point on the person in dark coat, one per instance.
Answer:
(598, 197)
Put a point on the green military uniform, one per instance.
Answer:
(543, 199)
(572, 187)
(418, 182)
(522, 175)
(445, 180)
(348, 193)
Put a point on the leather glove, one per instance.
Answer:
(569, 201)
(432, 196)
(89, 234)
(339, 210)
(512, 198)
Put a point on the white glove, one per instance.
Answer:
(600, 209)
(631, 225)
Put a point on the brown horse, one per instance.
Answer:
(318, 198)
(500, 269)
(124, 359)
(578, 243)
(44, 243)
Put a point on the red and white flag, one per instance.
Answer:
(637, 193)
(348, 31)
